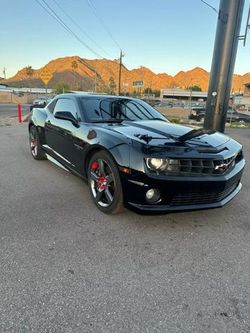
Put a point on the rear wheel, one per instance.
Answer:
(35, 147)
(105, 184)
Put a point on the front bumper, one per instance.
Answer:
(182, 193)
(169, 208)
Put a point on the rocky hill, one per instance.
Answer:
(85, 74)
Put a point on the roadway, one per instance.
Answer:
(10, 110)
(66, 267)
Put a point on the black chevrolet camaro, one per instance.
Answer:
(131, 155)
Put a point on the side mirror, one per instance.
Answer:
(65, 115)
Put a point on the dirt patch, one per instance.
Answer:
(8, 121)
(175, 112)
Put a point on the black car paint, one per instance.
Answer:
(73, 146)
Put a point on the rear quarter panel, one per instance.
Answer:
(38, 118)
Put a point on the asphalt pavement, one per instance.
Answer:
(66, 267)
(10, 110)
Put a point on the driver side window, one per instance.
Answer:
(66, 105)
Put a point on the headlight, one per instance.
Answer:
(163, 165)
(156, 163)
(194, 113)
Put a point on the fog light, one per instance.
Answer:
(152, 195)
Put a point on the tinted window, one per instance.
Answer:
(51, 105)
(66, 104)
(91, 108)
(118, 109)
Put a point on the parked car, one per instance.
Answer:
(40, 102)
(152, 102)
(233, 115)
(198, 114)
(131, 155)
(165, 105)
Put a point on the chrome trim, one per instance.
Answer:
(53, 160)
(63, 158)
(137, 183)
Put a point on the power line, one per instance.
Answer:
(53, 14)
(60, 21)
(207, 4)
(80, 28)
(93, 8)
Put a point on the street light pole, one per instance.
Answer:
(225, 50)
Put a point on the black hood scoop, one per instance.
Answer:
(194, 134)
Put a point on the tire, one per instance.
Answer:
(35, 147)
(105, 184)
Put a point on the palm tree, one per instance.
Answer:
(112, 85)
(29, 72)
(74, 66)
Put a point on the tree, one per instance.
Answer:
(112, 85)
(194, 88)
(148, 91)
(134, 93)
(157, 93)
(61, 88)
(29, 72)
(74, 66)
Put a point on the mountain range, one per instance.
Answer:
(85, 74)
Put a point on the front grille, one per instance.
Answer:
(203, 167)
(199, 198)
(206, 167)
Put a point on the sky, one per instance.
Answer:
(163, 35)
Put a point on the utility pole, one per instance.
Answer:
(225, 50)
(120, 73)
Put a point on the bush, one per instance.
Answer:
(62, 88)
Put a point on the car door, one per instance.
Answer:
(60, 133)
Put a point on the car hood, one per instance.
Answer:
(154, 132)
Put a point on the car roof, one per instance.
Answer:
(99, 96)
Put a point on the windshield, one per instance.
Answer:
(118, 109)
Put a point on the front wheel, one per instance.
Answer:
(105, 184)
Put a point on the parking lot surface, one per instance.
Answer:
(66, 267)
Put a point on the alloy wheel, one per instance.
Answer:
(102, 182)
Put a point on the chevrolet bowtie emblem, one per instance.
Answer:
(224, 166)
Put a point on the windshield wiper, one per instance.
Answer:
(108, 120)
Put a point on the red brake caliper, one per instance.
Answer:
(101, 181)
(94, 165)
